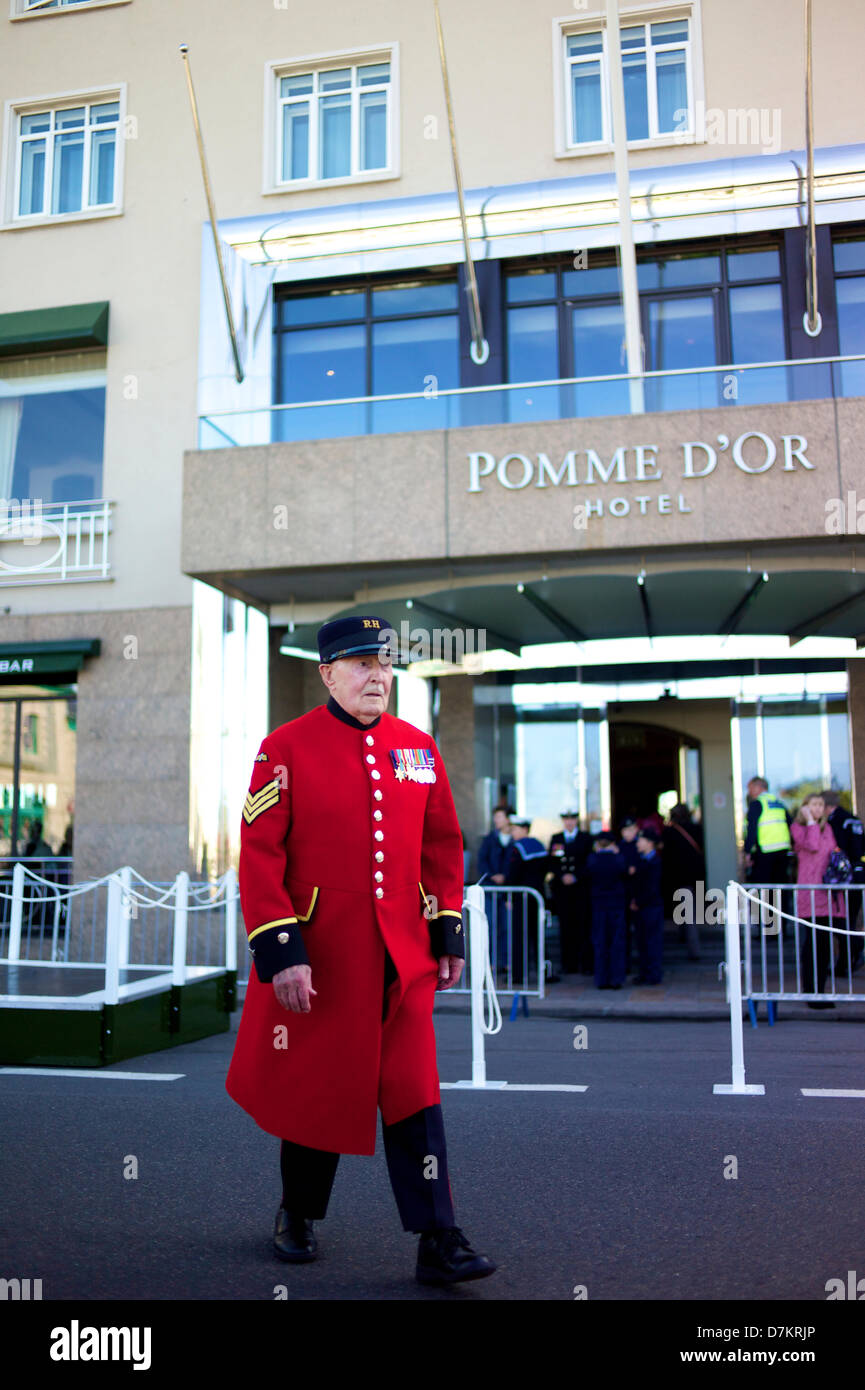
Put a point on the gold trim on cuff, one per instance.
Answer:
(280, 922)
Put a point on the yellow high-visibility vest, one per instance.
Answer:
(773, 832)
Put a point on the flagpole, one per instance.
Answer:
(217, 246)
(630, 293)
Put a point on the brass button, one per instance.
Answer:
(282, 938)
(379, 857)
(377, 795)
(379, 834)
(370, 740)
(376, 775)
(379, 876)
(379, 892)
(370, 757)
(458, 927)
(376, 815)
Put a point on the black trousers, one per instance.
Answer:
(417, 1165)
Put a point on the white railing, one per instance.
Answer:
(125, 927)
(55, 542)
(784, 956)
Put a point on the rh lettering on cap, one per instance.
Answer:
(371, 622)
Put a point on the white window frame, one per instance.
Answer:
(11, 168)
(322, 62)
(663, 13)
(18, 9)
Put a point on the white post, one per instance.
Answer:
(630, 292)
(17, 912)
(181, 918)
(126, 912)
(230, 890)
(113, 929)
(734, 981)
(478, 931)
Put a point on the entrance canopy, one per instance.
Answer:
(794, 598)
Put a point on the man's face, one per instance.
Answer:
(754, 790)
(360, 684)
(570, 823)
(519, 832)
(629, 833)
(500, 820)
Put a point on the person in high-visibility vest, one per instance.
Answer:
(767, 835)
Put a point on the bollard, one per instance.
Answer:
(734, 983)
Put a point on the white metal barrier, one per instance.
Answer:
(755, 914)
(125, 902)
(516, 969)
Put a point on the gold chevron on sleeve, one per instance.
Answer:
(262, 801)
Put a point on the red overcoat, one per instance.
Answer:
(349, 845)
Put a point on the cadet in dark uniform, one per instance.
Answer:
(608, 874)
(850, 837)
(628, 832)
(568, 852)
(527, 868)
(492, 866)
(648, 898)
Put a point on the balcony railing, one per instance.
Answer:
(689, 388)
(54, 542)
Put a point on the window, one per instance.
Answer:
(376, 339)
(699, 307)
(33, 8)
(67, 159)
(52, 427)
(658, 80)
(849, 260)
(334, 122)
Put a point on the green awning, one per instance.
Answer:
(19, 659)
(54, 330)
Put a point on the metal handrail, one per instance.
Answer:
(535, 385)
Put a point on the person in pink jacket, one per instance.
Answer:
(814, 844)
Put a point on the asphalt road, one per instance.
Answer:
(620, 1189)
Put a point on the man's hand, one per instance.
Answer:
(569, 879)
(450, 969)
(293, 988)
(498, 878)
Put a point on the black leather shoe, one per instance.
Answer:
(293, 1238)
(445, 1257)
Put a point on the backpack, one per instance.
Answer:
(839, 869)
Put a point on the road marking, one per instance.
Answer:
(99, 1074)
(844, 1095)
(504, 1086)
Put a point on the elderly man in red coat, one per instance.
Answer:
(349, 950)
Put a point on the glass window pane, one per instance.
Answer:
(753, 265)
(794, 762)
(65, 120)
(636, 96)
(672, 80)
(104, 112)
(299, 85)
(598, 332)
(675, 31)
(405, 353)
(335, 153)
(850, 295)
(322, 308)
(849, 255)
(335, 80)
(58, 456)
(37, 121)
(527, 286)
(373, 73)
(415, 298)
(585, 43)
(68, 169)
(681, 334)
(634, 36)
(533, 355)
(839, 752)
(674, 271)
(102, 167)
(32, 198)
(295, 140)
(601, 279)
(586, 96)
(320, 364)
(757, 323)
(373, 130)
